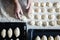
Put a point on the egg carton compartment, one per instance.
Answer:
(13, 31)
(43, 34)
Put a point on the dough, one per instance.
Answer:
(51, 38)
(30, 16)
(17, 32)
(43, 16)
(10, 33)
(57, 37)
(56, 4)
(37, 16)
(32, 22)
(37, 38)
(51, 23)
(44, 37)
(3, 33)
(44, 23)
(58, 22)
(49, 4)
(42, 10)
(58, 16)
(36, 10)
(36, 4)
(57, 9)
(43, 4)
(51, 16)
(38, 23)
(51, 10)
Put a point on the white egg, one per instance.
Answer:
(38, 23)
(57, 9)
(51, 38)
(57, 37)
(37, 38)
(49, 4)
(10, 33)
(56, 4)
(17, 39)
(3, 33)
(43, 4)
(17, 32)
(51, 10)
(32, 23)
(44, 37)
(37, 16)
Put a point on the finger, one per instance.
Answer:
(21, 12)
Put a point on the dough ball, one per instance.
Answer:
(51, 38)
(43, 4)
(36, 4)
(58, 16)
(43, 10)
(44, 23)
(36, 10)
(49, 4)
(38, 23)
(58, 22)
(44, 37)
(57, 9)
(37, 38)
(51, 23)
(56, 4)
(43, 16)
(30, 16)
(51, 10)
(24, 18)
(37, 16)
(32, 22)
(51, 16)
(57, 37)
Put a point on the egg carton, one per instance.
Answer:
(43, 34)
(12, 31)
(45, 13)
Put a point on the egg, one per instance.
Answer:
(57, 37)
(49, 4)
(44, 37)
(17, 32)
(37, 38)
(43, 4)
(51, 38)
(51, 10)
(10, 33)
(37, 16)
(3, 33)
(58, 22)
(57, 9)
(56, 4)
(32, 23)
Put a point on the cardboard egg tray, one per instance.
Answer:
(13, 26)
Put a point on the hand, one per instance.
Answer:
(18, 11)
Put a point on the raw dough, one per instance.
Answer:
(51, 10)
(10, 33)
(49, 4)
(57, 37)
(17, 32)
(43, 16)
(58, 22)
(43, 4)
(37, 16)
(30, 16)
(57, 9)
(44, 23)
(51, 38)
(43, 10)
(58, 16)
(3, 33)
(51, 16)
(36, 4)
(44, 37)
(37, 38)
(32, 22)
(51, 23)
(56, 4)
(36, 10)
